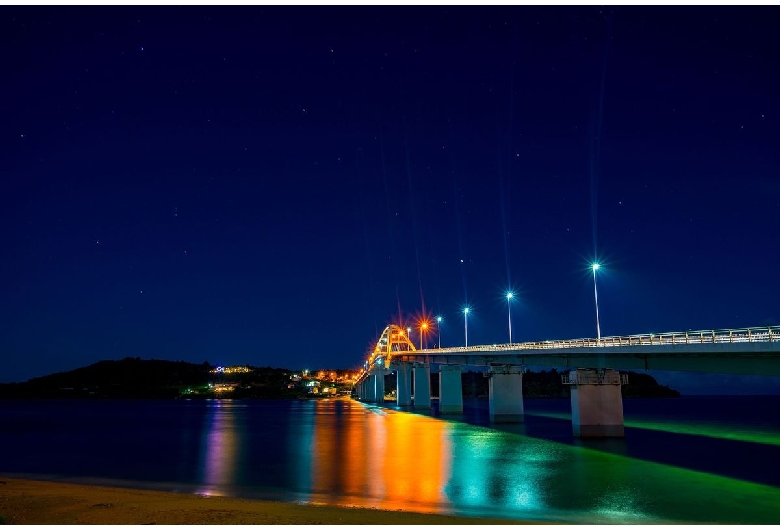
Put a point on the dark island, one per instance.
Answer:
(134, 377)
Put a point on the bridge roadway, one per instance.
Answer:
(750, 351)
(593, 364)
(739, 352)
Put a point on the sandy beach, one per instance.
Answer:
(39, 502)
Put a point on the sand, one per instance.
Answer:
(39, 502)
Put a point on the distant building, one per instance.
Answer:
(224, 387)
(231, 370)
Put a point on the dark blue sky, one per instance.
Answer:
(269, 185)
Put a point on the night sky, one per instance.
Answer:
(272, 186)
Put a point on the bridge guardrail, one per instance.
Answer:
(723, 336)
(757, 334)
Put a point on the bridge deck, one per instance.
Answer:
(749, 351)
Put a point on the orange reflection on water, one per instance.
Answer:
(324, 443)
(379, 458)
(221, 451)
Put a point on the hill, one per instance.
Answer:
(149, 378)
(134, 377)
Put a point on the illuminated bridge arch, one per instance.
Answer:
(393, 339)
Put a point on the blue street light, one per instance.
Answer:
(438, 328)
(509, 296)
(466, 311)
(595, 267)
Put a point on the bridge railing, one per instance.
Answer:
(723, 336)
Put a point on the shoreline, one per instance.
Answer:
(24, 501)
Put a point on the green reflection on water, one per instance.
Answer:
(697, 428)
(523, 477)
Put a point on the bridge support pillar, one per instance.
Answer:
(450, 390)
(379, 386)
(403, 385)
(596, 403)
(371, 388)
(422, 386)
(506, 394)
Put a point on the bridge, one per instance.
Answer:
(592, 367)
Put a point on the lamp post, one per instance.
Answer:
(423, 329)
(466, 324)
(438, 325)
(509, 296)
(595, 267)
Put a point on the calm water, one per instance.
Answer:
(711, 460)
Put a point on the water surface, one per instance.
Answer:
(683, 460)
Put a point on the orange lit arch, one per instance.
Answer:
(393, 340)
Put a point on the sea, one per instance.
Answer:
(710, 459)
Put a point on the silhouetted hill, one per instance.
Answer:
(148, 378)
(129, 377)
(151, 378)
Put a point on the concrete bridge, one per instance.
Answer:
(593, 369)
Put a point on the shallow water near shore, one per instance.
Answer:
(706, 460)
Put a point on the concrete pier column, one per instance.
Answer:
(379, 386)
(371, 388)
(596, 403)
(450, 390)
(422, 386)
(506, 394)
(403, 385)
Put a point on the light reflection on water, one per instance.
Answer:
(375, 458)
(342, 452)
(693, 427)
(222, 444)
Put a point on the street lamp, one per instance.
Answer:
(423, 329)
(438, 325)
(595, 267)
(509, 296)
(466, 323)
